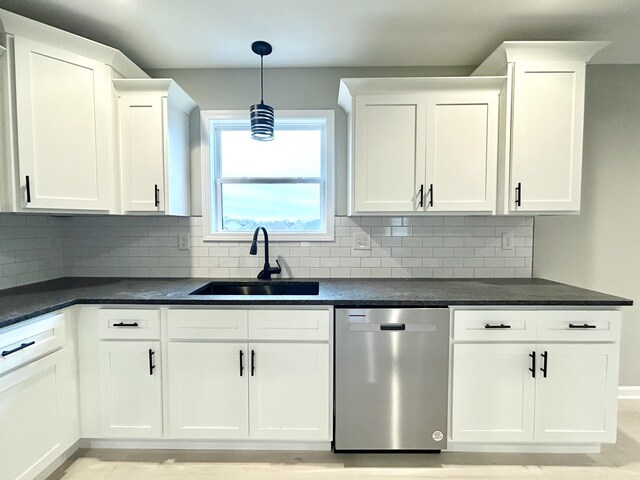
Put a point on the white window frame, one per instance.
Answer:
(211, 213)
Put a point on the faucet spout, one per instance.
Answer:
(267, 270)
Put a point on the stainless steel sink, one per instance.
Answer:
(265, 287)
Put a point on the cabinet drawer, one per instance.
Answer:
(289, 325)
(38, 337)
(494, 325)
(129, 323)
(579, 325)
(207, 324)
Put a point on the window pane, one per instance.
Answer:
(292, 153)
(278, 207)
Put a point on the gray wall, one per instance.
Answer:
(286, 89)
(600, 248)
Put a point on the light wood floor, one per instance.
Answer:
(621, 460)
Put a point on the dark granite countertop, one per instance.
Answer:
(21, 303)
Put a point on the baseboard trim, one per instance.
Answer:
(628, 393)
(521, 448)
(58, 462)
(202, 445)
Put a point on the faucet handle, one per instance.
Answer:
(277, 269)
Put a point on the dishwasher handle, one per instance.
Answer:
(392, 326)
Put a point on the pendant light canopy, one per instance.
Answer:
(262, 118)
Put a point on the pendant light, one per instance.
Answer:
(262, 117)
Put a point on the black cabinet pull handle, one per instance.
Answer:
(532, 369)
(28, 190)
(151, 365)
(430, 193)
(393, 326)
(585, 325)
(241, 362)
(421, 203)
(519, 194)
(545, 358)
(253, 362)
(17, 349)
(502, 325)
(122, 324)
(156, 192)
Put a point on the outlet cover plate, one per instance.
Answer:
(183, 241)
(361, 241)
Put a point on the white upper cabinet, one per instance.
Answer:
(389, 152)
(462, 149)
(154, 145)
(58, 128)
(422, 144)
(542, 118)
(64, 151)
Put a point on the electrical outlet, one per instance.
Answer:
(507, 241)
(361, 241)
(183, 241)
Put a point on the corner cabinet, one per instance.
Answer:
(422, 144)
(543, 117)
(154, 145)
(544, 377)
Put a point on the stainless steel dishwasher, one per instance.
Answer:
(391, 379)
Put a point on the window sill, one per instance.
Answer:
(273, 237)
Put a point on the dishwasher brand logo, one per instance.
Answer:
(437, 436)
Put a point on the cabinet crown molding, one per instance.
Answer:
(350, 87)
(17, 25)
(538, 51)
(166, 87)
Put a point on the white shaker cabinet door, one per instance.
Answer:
(576, 400)
(208, 390)
(289, 392)
(31, 403)
(130, 387)
(546, 140)
(143, 154)
(389, 149)
(462, 152)
(492, 393)
(65, 146)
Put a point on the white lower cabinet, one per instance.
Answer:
(208, 390)
(563, 392)
(131, 390)
(576, 402)
(289, 392)
(267, 378)
(30, 419)
(493, 393)
(38, 405)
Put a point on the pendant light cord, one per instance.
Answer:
(261, 80)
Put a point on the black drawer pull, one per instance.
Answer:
(156, 193)
(17, 349)
(392, 326)
(519, 195)
(151, 365)
(586, 325)
(421, 203)
(502, 325)
(122, 324)
(241, 362)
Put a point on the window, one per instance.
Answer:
(286, 185)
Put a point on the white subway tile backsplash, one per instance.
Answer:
(35, 248)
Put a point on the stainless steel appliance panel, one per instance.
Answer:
(391, 379)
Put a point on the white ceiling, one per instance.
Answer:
(305, 33)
